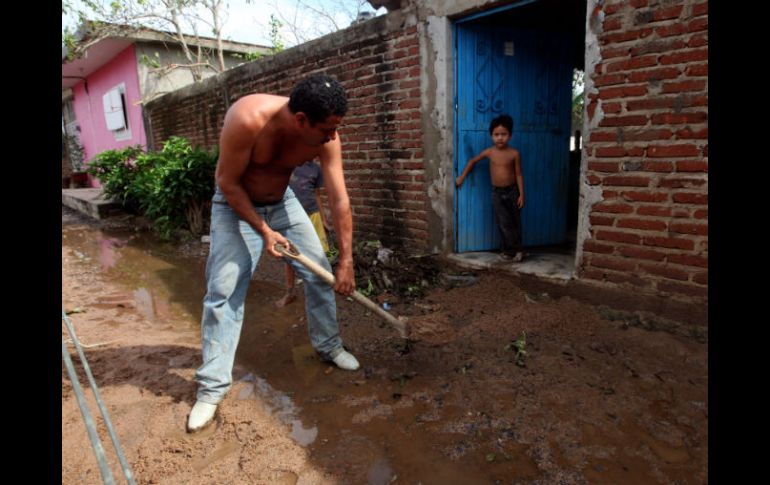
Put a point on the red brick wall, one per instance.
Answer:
(381, 134)
(648, 149)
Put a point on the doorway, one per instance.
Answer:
(519, 60)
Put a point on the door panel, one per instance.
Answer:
(528, 76)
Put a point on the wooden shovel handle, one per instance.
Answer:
(293, 253)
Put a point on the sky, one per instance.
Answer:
(250, 22)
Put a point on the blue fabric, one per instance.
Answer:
(304, 180)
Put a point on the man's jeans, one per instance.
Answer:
(234, 253)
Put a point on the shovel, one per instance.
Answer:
(293, 253)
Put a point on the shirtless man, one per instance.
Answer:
(263, 138)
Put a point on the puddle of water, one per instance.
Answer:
(161, 285)
(282, 407)
(380, 472)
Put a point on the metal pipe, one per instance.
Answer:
(99, 402)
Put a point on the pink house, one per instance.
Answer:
(103, 90)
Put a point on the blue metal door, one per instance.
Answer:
(527, 75)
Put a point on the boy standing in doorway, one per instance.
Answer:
(507, 185)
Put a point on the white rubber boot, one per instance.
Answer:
(345, 360)
(202, 415)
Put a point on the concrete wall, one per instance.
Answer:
(154, 82)
(94, 135)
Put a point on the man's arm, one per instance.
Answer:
(469, 167)
(342, 216)
(235, 144)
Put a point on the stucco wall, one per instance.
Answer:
(94, 135)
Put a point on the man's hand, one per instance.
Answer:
(271, 237)
(520, 202)
(345, 281)
(458, 182)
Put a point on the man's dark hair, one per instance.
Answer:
(318, 96)
(503, 120)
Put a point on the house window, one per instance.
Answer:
(116, 112)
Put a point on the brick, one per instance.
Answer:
(700, 9)
(665, 271)
(599, 136)
(669, 242)
(613, 263)
(671, 30)
(677, 288)
(624, 237)
(633, 63)
(613, 108)
(659, 46)
(687, 198)
(593, 179)
(657, 211)
(642, 253)
(626, 35)
(635, 120)
(684, 86)
(611, 8)
(697, 70)
(701, 214)
(654, 75)
(698, 41)
(592, 246)
(691, 166)
(610, 152)
(611, 23)
(604, 166)
(678, 119)
(642, 224)
(702, 278)
(612, 208)
(626, 181)
(688, 260)
(668, 151)
(647, 166)
(623, 92)
(647, 135)
(689, 134)
(598, 220)
(698, 24)
(684, 228)
(681, 183)
(685, 57)
(635, 196)
(609, 53)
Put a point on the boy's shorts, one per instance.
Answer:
(315, 218)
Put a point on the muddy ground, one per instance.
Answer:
(595, 399)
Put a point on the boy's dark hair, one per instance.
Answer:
(318, 96)
(502, 120)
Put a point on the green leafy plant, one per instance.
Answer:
(518, 346)
(171, 187)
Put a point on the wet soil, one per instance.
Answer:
(593, 400)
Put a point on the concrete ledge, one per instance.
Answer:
(90, 202)
(557, 267)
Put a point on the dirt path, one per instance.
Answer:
(596, 400)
